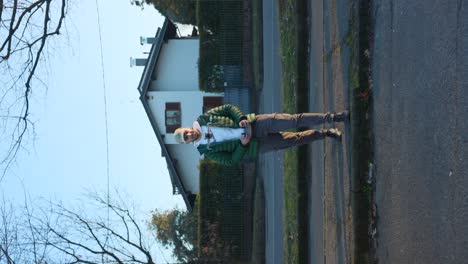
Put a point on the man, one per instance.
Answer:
(224, 134)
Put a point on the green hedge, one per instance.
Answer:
(220, 24)
(220, 203)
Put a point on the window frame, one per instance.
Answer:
(172, 106)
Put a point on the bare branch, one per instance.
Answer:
(59, 234)
(1, 10)
(13, 27)
(26, 30)
(15, 4)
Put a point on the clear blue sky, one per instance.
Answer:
(68, 154)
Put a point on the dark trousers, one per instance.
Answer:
(270, 129)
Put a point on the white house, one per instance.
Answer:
(169, 91)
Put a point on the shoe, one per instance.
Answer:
(334, 133)
(341, 116)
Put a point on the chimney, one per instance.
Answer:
(147, 40)
(137, 62)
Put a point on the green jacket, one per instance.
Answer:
(227, 152)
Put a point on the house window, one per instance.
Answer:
(173, 117)
(210, 102)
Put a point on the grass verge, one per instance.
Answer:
(258, 244)
(258, 227)
(362, 198)
(257, 43)
(293, 54)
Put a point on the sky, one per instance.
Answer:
(67, 156)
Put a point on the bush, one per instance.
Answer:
(209, 56)
(178, 11)
(220, 209)
(209, 14)
(220, 26)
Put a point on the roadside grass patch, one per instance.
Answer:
(363, 196)
(257, 43)
(288, 54)
(258, 227)
(293, 55)
(258, 244)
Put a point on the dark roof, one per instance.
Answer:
(168, 31)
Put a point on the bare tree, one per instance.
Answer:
(117, 237)
(102, 232)
(20, 240)
(25, 29)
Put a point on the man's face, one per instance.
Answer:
(191, 135)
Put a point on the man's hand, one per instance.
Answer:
(245, 139)
(244, 123)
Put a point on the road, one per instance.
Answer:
(420, 84)
(329, 167)
(271, 164)
(420, 77)
(328, 170)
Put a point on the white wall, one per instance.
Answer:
(177, 68)
(188, 158)
(187, 155)
(191, 104)
(177, 81)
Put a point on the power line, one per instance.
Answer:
(105, 118)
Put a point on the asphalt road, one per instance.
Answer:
(328, 170)
(316, 168)
(271, 164)
(420, 88)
